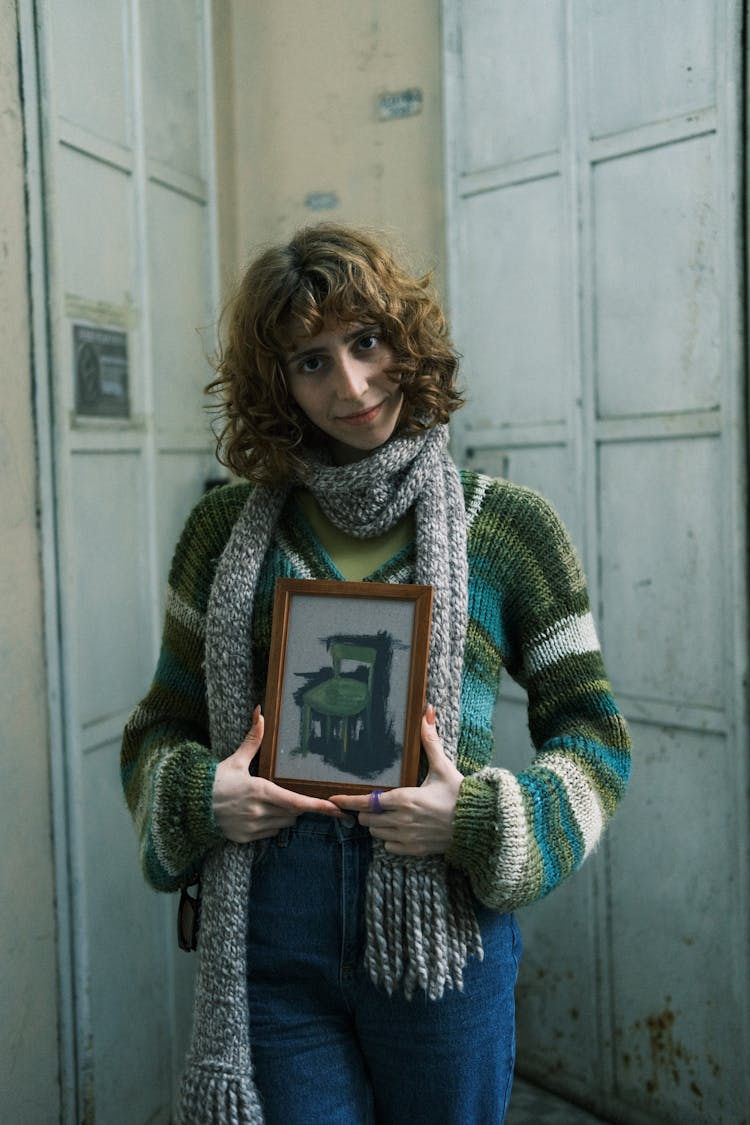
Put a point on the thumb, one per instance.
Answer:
(250, 745)
(431, 741)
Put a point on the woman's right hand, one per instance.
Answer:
(251, 808)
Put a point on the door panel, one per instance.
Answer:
(183, 316)
(108, 516)
(173, 85)
(554, 991)
(661, 322)
(663, 625)
(131, 1054)
(132, 261)
(640, 74)
(92, 80)
(97, 237)
(513, 306)
(678, 1028)
(525, 93)
(595, 236)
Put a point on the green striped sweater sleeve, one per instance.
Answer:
(519, 835)
(167, 765)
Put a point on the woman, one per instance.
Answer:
(358, 957)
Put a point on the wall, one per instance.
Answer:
(28, 992)
(305, 84)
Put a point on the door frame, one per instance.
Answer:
(30, 45)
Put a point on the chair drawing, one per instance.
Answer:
(343, 697)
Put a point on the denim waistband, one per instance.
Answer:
(320, 825)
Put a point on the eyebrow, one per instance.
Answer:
(348, 338)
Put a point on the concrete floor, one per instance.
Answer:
(532, 1106)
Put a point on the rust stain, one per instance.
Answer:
(653, 1056)
(669, 1057)
(666, 1052)
(660, 1034)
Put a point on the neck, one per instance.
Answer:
(342, 454)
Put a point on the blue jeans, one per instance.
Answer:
(331, 1049)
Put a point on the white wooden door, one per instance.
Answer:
(126, 149)
(595, 232)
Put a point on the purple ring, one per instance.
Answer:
(375, 805)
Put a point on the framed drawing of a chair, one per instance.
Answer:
(343, 698)
(346, 685)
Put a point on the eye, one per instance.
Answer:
(368, 342)
(311, 364)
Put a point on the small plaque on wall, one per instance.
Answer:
(404, 103)
(101, 371)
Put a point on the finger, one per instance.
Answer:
(351, 802)
(250, 745)
(363, 804)
(431, 741)
(299, 802)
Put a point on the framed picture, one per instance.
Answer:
(346, 685)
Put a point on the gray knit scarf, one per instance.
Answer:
(421, 926)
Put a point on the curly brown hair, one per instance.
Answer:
(287, 292)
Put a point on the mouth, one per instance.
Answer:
(362, 417)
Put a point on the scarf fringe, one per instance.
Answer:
(217, 1086)
(211, 1093)
(421, 925)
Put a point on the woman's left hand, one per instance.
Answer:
(415, 821)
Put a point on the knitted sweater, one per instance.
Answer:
(516, 836)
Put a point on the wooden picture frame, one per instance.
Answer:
(346, 685)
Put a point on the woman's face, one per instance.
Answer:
(338, 378)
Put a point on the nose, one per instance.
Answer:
(351, 376)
